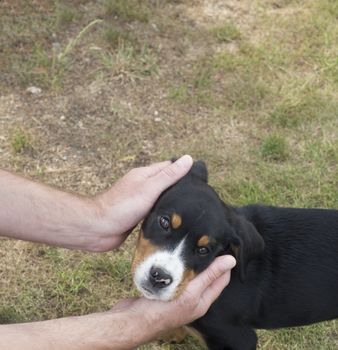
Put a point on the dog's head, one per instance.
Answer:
(188, 227)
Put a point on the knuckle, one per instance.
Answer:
(212, 274)
(169, 172)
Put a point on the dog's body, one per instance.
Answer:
(293, 282)
(287, 261)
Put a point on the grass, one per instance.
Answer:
(64, 15)
(226, 33)
(130, 62)
(132, 10)
(274, 147)
(179, 93)
(114, 37)
(251, 90)
(8, 314)
(21, 141)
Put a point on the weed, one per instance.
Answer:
(73, 42)
(34, 70)
(130, 10)
(112, 36)
(60, 59)
(8, 314)
(71, 282)
(179, 93)
(226, 33)
(130, 62)
(21, 141)
(274, 147)
(47, 69)
(121, 271)
(53, 254)
(203, 77)
(64, 15)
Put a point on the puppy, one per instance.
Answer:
(287, 260)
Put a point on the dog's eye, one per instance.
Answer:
(164, 222)
(203, 250)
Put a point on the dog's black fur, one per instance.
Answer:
(287, 260)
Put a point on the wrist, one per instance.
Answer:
(100, 231)
(123, 330)
(148, 321)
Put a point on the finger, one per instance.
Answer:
(171, 173)
(155, 168)
(205, 279)
(214, 290)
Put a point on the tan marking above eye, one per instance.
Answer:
(176, 221)
(203, 241)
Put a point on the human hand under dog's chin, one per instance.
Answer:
(157, 317)
(127, 202)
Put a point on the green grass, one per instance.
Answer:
(179, 93)
(226, 33)
(8, 314)
(112, 36)
(65, 15)
(274, 147)
(21, 141)
(130, 62)
(127, 10)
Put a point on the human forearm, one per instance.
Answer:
(34, 212)
(103, 331)
(131, 323)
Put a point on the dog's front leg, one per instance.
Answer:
(228, 337)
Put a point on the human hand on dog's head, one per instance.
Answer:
(153, 317)
(126, 203)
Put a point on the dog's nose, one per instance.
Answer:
(159, 278)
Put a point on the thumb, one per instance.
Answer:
(204, 289)
(205, 279)
(171, 174)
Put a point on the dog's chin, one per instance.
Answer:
(149, 293)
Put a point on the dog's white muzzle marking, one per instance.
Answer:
(169, 261)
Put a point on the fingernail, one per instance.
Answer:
(185, 161)
(231, 261)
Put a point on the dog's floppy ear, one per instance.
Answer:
(246, 243)
(199, 169)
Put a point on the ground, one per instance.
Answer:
(91, 89)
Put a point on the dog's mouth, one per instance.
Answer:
(147, 292)
(156, 280)
(159, 275)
